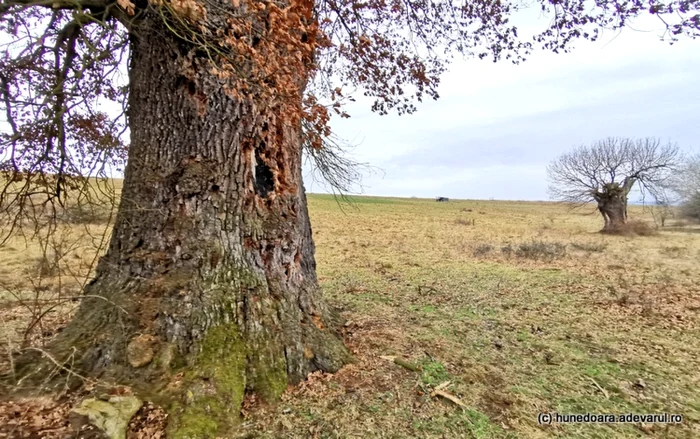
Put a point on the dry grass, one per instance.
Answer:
(516, 335)
(633, 228)
(43, 270)
(610, 325)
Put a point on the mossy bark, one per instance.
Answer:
(208, 288)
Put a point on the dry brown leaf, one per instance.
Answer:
(127, 5)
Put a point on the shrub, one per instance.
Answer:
(85, 214)
(631, 228)
(589, 246)
(691, 208)
(541, 250)
(507, 250)
(44, 266)
(466, 222)
(483, 250)
(674, 251)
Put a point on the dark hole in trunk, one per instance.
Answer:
(264, 180)
(181, 81)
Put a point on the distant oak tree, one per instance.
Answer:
(606, 171)
(208, 288)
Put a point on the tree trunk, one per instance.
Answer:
(612, 204)
(208, 288)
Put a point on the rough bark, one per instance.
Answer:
(614, 213)
(208, 286)
(612, 204)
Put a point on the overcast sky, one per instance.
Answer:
(497, 125)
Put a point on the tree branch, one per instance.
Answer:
(55, 4)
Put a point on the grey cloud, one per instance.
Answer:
(669, 112)
(496, 127)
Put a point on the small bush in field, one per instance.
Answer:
(88, 214)
(507, 250)
(631, 228)
(691, 208)
(589, 247)
(465, 222)
(483, 250)
(541, 250)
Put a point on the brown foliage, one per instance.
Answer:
(47, 418)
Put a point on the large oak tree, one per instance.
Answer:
(208, 287)
(607, 171)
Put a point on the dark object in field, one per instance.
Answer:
(439, 199)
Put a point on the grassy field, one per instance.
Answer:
(521, 306)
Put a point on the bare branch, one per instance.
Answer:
(331, 164)
(579, 175)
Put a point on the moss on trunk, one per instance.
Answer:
(208, 288)
(214, 386)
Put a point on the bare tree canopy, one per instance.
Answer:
(608, 170)
(685, 181)
(685, 185)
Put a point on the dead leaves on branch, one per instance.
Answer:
(394, 50)
(261, 51)
(269, 51)
(128, 6)
(275, 51)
